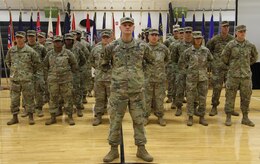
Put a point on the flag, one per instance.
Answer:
(38, 24)
(113, 26)
(177, 16)
(67, 23)
(167, 24)
(133, 33)
(171, 17)
(149, 23)
(31, 22)
(10, 32)
(160, 28)
(73, 24)
(182, 20)
(203, 25)
(211, 27)
(20, 24)
(50, 28)
(88, 29)
(194, 22)
(104, 21)
(95, 28)
(219, 23)
(58, 29)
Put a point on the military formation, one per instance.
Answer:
(137, 74)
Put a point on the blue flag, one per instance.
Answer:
(211, 29)
(20, 25)
(194, 22)
(203, 25)
(167, 24)
(94, 28)
(149, 23)
(171, 18)
(219, 23)
(183, 20)
(160, 28)
(67, 23)
(133, 33)
(31, 22)
(104, 21)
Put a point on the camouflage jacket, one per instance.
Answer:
(127, 65)
(95, 59)
(168, 41)
(23, 63)
(239, 57)
(195, 61)
(83, 48)
(216, 46)
(79, 56)
(60, 66)
(157, 72)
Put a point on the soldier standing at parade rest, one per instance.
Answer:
(218, 68)
(238, 55)
(24, 63)
(195, 61)
(60, 63)
(41, 38)
(155, 78)
(127, 86)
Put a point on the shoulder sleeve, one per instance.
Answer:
(254, 55)
(225, 55)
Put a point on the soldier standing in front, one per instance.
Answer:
(238, 55)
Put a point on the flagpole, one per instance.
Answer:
(2, 57)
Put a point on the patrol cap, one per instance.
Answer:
(188, 29)
(41, 34)
(106, 33)
(176, 27)
(20, 34)
(197, 34)
(146, 30)
(153, 31)
(127, 20)
(69, 36)
(57, 38)
(240, 28)
(77, 31)
(181, 30)
(73, 32)
(168, 34)
(48, 41)
(225, 23)
(31, 33)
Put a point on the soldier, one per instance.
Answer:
(155, 78)
(48, 44)
(176, 52)
(41, 37)
(39, 78)
(127, 84)
(60, 64)
(23, 62)
(218, 68)
(102, 79)
(173, 38)
(238, 55)
(81, 60)
(196, 59)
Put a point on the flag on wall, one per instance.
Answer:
(38, 23)
(73, 24)
(20, 24)
(50, 28)
(58, 29)
(88, 29)
(160, 28)
(171, 17)
(203, 25)
(31, 22)
(149, 22)
(67, 23)
(94, 29)
(211, 27)
(104, 21)
(133, 33)
(10, 32)
(113, 26)
(182, 20)
(167, 24)
(194, 22)
(219, 23)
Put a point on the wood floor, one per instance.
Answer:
(175, 143)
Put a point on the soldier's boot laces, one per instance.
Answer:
(246, 120)
(40, 112)
(52, 120)
(203, 122)
(70, 120)
(97, 120)
(234, 113)
(169, 100)
(228, 120)
(14, 120)
(143, 154)
(161, 121)
(213, 111)
(112, 154)
(146, 121)
(30, 119)
(173, 106)
(178, 111)
(190, 121)
(79, 113)
(25, 113)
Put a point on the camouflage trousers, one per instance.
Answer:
(26, 89)
(180, 90)
(83, 80)
(77, 92)
(58, 92)
(171, 86)
(244, 85)
(154, 92)
(102, 92)
(218, 78)
(39, 87)
(118, 103)
(90, 80)
(196, 90)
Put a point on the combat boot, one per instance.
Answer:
(112, 154)
(246, 121)
(190, 121)
(213, 111)
(173, 106)
(39, 112)
(143, 154)
(161, 121)
(234, 113)
(84, 100)
(25, 113)
(90, 94)
(202, 121)
(70, 120)
(14, 120)
(178, 111)
(31, 120)
(184, 100)
(97, 120)
(52, 120)
(169, 100)
(146, 121)
(228, 120)
(79, 113)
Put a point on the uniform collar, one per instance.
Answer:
(127, 45)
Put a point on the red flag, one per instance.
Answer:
(113, 26)
(73, 24)
(88, 29)
(10, 32)
(38, 24)
(58, 29)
